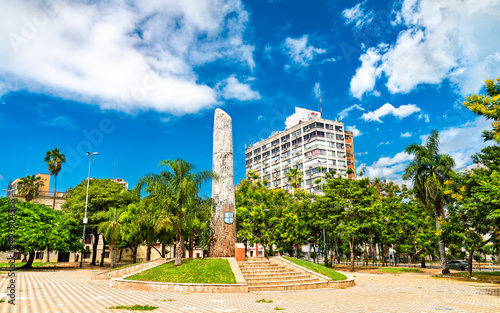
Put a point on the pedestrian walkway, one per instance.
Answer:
(73, 291)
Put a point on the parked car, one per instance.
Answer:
(458, 265)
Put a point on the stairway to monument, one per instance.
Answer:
(267, 276)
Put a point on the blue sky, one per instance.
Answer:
(139, 82)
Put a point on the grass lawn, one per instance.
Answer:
(135, 307)
(318, 268)
(6, 266)
(480, 275)
(397, 270)
(195, 271)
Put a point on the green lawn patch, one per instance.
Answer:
(135, 307)
(264, 301)
(194, 271)
(397, 270)
(318, 268)
(1, 301)
(6, 266)
(480, 275)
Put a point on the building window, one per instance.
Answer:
(296, 133)
(266, 154)
(275, 150)
(275, 142)
(249, 154)
(296, 141)
(284, 138)
(256, 151)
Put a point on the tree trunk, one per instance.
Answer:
(30, 260)
(48, 256)
(442, 251)
(422, 262)
(148, 252)
(55, 188)
(414, 256)
(120, 256)
(134, 254)
(112, 256)
(94, 247)
(351, 247)
(163, 250)
(178, 249)
(191, 247)
(103, 252)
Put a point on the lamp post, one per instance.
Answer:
(86, 203)
(9, 191)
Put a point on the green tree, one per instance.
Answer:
(428, 171)
(294, 177)
(36, 228)
(171, 192)
(488, 106)
(354, 209)
(103, 195)
(474, 210)
(54, 159)
(111, 230)
(29, 187)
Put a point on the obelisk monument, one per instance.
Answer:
(223, 228)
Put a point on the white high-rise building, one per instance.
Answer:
(308, 141)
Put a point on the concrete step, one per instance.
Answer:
(265, 271)
(268, 275)
(282, 282)
(258, 264)
(289, 277)
(256, 268)
(254, 262)
(305, 286)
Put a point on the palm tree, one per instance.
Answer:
(111, 231)
(428, 172)
(54, 159)
(294, 177)
(29, 187)
(172, 192)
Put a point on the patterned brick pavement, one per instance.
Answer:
(73, 291)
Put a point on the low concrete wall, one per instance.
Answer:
(240, 286)
(349, 282)
(127, 270)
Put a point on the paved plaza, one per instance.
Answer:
(73, 291)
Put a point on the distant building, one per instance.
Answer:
(121, 182)
(308, 141)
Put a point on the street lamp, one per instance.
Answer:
(86, 202)
(9, 192)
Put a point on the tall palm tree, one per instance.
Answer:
(111, 231)
(29, 187)
(294, 177)
(428, 171)
(171, 192)
(54, 159)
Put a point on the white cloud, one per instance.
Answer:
(61, 121)
(463, 141)
(1, 177)
(355, 132)
(317, 90)
(367, 74)
(361, 153)
(328, 60)
(390, 168)
(233, 89)
(384, 143)
(459, 142)
(388, 109)
(299, 52)
(441, 40)
(122, 55)
(406, 135)
(166, 119)
(345, 112)
(423, 116)
(357, 15)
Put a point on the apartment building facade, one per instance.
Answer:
(307, 143)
